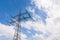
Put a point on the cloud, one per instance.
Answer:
(49, 6)
(7, 32)
(52, 27)
(23, 36)
(50, 31)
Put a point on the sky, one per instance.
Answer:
(45, 13)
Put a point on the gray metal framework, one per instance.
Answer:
(17, 20)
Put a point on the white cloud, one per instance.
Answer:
(23, 36)
(36, 25)
(57, 2)
(52, 27)
(49, 6)
(52, 7)
(8, 32)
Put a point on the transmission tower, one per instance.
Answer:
(17, 20)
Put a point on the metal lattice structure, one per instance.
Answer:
(17, 20)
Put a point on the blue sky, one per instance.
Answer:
(46, 14)
(12, 7)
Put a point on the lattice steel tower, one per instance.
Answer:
(17, 21)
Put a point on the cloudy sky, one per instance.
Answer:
(45, 13)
